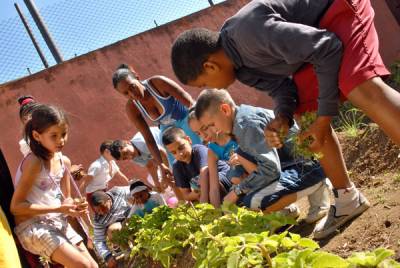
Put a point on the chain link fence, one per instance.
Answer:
(79, 27)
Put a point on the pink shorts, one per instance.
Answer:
(353, 22)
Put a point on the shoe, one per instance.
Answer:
(319, 202)
(291, 211)
(332, 222)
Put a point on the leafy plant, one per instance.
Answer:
(301, 148)
(231, 237)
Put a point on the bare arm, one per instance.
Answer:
(137, 119)
(172, 88)
(122, 176)
(247, 165)
(204, 181)
(19, 206)
(215, 194)
(84, 183)
(66, 179)
(152, 169)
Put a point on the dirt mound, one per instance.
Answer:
(369, 154)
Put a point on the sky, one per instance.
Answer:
(78, 27)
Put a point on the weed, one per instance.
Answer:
(396, 178)
(351, 121)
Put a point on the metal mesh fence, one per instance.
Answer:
(80, 26)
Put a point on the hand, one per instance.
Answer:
(69, 209)
(276, 131)
(112, 263)
(236, 180)
(231, 197)
(318, 131)
(166, 173)
(89, 243)
(234, 160)
(76, 168)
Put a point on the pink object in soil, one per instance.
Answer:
(172, 202)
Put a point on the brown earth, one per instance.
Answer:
(373, 163)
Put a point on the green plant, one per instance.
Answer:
(232, 237)
(351, 121)
(395, 76)
(301, 148)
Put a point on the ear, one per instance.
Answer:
(211, 67)
(188, 139)
(36, 135)
(226, 109)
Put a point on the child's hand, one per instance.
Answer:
(231, 197)
(319, 131)
(234, 160)
(69, 209)
(276, 131)
(235, 180)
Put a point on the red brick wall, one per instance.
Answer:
(82, 86)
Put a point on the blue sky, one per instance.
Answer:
(79, 26)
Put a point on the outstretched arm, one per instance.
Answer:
(172, 88)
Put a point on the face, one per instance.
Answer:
(53, 138)
(181, 149)
(197, 128)
(107, 155)
(131, 88)
(214, 76)
(218, 122)
(140, 197)
(103, 209)
(127, 152)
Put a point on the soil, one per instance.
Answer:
(373, 163)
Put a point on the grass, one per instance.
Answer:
(352, 120)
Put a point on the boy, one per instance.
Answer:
(101, 172)
(136, 150)
(110, 209)
(266, 187)
(268, 41)
(142, 199)
(190, 168)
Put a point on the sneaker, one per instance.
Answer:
(291, 211)
(332, 222)
(319, 202)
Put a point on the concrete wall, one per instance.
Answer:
(82, 86)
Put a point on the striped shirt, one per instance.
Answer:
(119, 210)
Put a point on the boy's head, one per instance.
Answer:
(101, 202)
(198, 59)
(178, 144)
(105, 149)
(138, 193)
(197, 127)
(215, 109)
(122, 150)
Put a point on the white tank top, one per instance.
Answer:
(46, 189)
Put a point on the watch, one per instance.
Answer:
(237, 190)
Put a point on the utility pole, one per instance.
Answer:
(43, 30)
(30, 33)
(211, 2)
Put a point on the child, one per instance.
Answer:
(137, 151)
(142, 199)
(41, 200)
(265, 184)
(158, 99)
(101, 172)
(266, 42)
(190, 168)
(27, 106)
(110, 208)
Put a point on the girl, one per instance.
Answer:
(27, 106)
(41, 200)
(158, 99)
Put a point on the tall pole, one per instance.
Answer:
(211, 2)
(30, 33)
(43, 30)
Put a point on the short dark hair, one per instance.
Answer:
(171, 134)
(27, 105)
(190, 50)
(122, 72)
(99, 198)
(136, 184)
(116, 147)
(105, 145)
(211, 99)
(43, 117)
